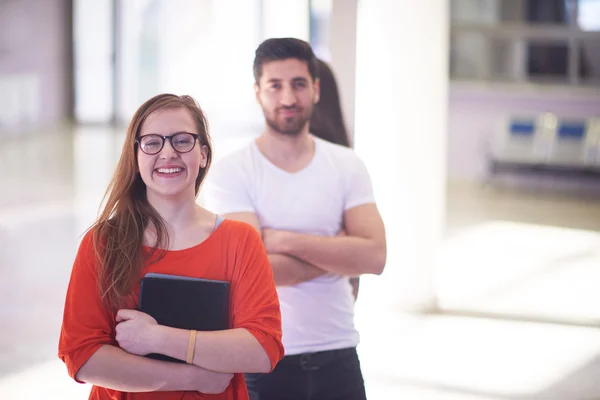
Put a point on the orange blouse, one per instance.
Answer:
(234, 252)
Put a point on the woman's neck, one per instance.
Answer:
(178, 213)
(187, 223)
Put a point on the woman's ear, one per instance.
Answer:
(204, 158)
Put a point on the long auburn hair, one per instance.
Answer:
(118, 233)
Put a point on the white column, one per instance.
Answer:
(289, 18)
(401, 127)
(185, 62)
(342, 42)
(237, 34)
(92, 42)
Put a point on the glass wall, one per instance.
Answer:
(93, 43)
(531, 41)
(320, 27)
(129, 50)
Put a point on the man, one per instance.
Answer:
(313, 203)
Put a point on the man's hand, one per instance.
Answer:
(274, 240)
(135, 331)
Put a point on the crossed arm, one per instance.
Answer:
(216, 357)
(114, 368)
(297, 258)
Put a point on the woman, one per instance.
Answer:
(327, 121)
(151, 223)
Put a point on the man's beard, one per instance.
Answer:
(289, 125)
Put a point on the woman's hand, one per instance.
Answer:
(136, 332)
(210, 382)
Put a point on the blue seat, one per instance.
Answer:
(568, 147)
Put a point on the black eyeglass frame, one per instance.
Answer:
(138, 142)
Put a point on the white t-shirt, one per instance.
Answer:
(316, 315)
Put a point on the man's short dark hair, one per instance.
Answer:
(281, 49)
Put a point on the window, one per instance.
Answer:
(588, 18)
(541, 41)
(320, 16)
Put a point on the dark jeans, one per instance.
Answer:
(326, 375)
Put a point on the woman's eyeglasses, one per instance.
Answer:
(182, 142)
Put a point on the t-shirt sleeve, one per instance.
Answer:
(255, 300)
(87, 324)
(227, 188)
(359, 189)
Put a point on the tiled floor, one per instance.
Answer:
(509, 254)
(516, 252)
